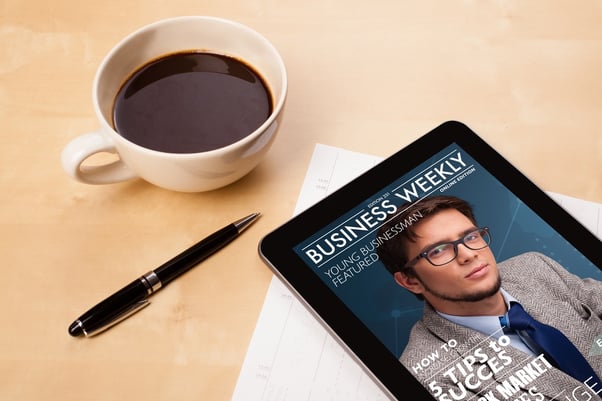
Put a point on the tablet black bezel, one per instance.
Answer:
(276, 248)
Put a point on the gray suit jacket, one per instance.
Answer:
(551, 295)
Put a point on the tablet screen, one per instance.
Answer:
(421, 261)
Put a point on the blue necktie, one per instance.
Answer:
(558, 349)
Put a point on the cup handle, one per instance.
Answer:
(84, 146)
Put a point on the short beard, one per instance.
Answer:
(475, 297)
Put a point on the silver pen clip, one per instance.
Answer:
(124, 315)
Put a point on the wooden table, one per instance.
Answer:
(369, 76)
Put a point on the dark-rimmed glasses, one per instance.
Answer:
(443, 253)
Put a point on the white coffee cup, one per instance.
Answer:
(187, 172)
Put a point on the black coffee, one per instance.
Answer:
(191, 102)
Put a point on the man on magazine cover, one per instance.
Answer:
(523, 329)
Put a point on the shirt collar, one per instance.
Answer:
(487, 325)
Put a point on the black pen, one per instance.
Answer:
(133, 297)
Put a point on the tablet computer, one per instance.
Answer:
(417, 265)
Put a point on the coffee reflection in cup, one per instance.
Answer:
(191, 102)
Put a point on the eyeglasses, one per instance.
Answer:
(444, 253)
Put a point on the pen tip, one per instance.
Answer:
(245, 221)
